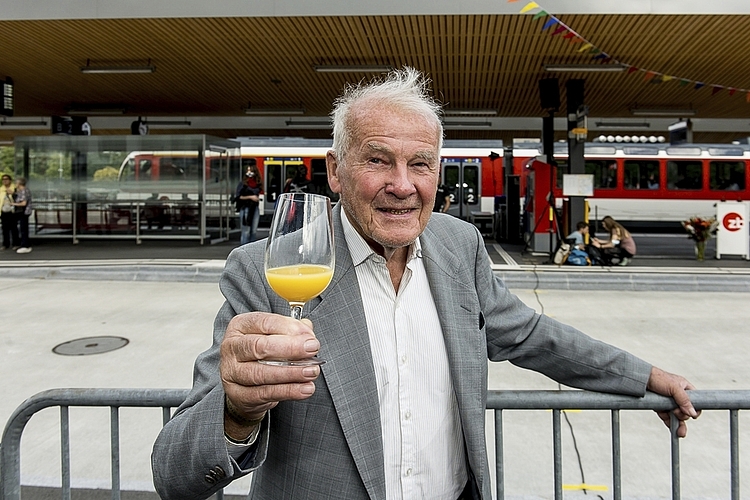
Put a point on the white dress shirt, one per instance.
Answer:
(423, 443)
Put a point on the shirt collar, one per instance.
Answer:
(360, 251)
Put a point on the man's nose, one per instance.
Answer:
(400, 182)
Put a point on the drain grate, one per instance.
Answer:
(90, 345)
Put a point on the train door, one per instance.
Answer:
(464, 177)
(278, 170)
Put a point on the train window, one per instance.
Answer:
(642, 174)
(727, 175)
(562, 169)
(471, 185)
(320, 178)
(684, 175)
(604, 171)
(274, 182)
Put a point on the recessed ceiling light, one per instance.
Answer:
(587, 68)
(662, 112)
(470, 112)
(353, 69)
(274, 111)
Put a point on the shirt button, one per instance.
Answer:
(408, 471)
(403, 358)
(407, 415)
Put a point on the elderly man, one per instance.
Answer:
(411, 316)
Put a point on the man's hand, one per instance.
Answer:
(674, 386)
(253, 388)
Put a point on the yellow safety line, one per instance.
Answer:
(584, 486)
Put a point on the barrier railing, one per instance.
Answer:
(556, 401)
(10, 447)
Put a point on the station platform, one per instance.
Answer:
(664, 261)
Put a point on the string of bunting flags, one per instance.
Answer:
(557, 27)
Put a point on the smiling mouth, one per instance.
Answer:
(394, 211)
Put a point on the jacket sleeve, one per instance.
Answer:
(190, 458)
(515, 332)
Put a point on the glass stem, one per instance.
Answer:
(296, 311)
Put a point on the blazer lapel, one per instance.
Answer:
(341, 326)
(464, 341)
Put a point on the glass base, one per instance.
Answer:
(297, 362)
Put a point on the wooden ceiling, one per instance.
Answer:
(216, 67)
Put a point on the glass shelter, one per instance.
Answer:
(139, 187)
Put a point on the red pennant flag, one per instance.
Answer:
(632, 69)
(732, 91)
(748, 97)
(559, 30)
(716, 89)
(570, 35)
(649, 76)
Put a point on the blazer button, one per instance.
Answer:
(209, 479)
(220, 472)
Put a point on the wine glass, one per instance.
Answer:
(299, 256)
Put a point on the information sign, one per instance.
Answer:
(733, 233)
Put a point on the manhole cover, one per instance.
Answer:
(90, 345)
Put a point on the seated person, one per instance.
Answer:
(579, 235)
(620, 241)
(577, 239)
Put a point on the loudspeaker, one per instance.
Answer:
(549, 93)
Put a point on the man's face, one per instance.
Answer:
(6, 181)
(390, 178)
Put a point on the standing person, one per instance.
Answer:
(443, 198)
(406, 326)
(247, 197)
(620, 241)
(22, 209)
(299, 183)
(7, 216)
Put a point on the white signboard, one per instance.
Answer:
(578, 185)
(733, 232)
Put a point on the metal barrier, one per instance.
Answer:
(557, 401)
(10, 447)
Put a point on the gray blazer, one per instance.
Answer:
(329, 446)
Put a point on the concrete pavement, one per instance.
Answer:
(703, 336)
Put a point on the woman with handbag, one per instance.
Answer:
(22, 211)
(7, 217)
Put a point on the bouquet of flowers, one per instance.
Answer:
(700, 229)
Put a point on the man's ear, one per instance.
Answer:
(332, 169)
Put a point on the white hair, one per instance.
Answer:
(405, 88)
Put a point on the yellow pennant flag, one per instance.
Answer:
(529, 6)
(585, 47)
(666, 78)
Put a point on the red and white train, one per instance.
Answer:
(642, 183)
(636, 183)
